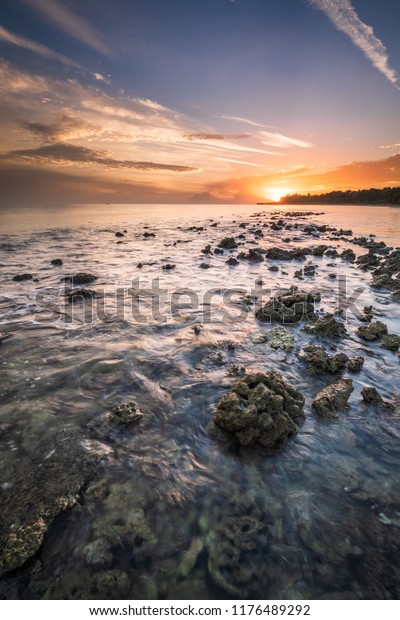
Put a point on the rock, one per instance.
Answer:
(147, 235)
(273, 268)
(232, 262)
(125, 415)
(278, 254)
(168, 267)
(290, 307)
(372, 331)
(391, 342)
(355, 363)
(80, 278)
(236, 371)
(309, 270)
(327, 327)
(119, 234)
(261, 408)
(57, 262)
(190, 556)
(22, 277)
(320, 362)
(332, 399)
(218, 251)
(281, 339)
(113, 584)
(79, 294)
(228, 243)
(206, 250)
(205, 266)
(319, 250)
(98, 553)
(348, 255)
(371, 395)
(253, 256)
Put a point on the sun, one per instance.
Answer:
(276, 193)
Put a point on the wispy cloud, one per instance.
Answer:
(69, 154)
(69, 128)
(217, 136)
(346, 19)
(240, 119)
(390, 146)
(14, 39)
(283, 142)
(70, 23)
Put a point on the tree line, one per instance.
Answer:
(372, 196)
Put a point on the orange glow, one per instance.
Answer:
(276, 193)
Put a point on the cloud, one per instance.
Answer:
(69, 154)
(13, 80)
(99, 77)
(68, 128)
(217, 136)
(240, 119)
(14, 39)
(72, 24)
(390, 146)
(345, 18)
(283, 142)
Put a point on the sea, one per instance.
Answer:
(167, 507)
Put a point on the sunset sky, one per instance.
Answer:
(196, 101)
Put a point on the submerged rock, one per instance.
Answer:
(290, 307)
(98, 553)
(372, 331)
(22, 277)
(80, 293)
(348, 255)
(320, 362)
(371, 395)
(125, 415)
(80, 278)
(332, 399)
(262, 408)
(281, 339)
(228, 243)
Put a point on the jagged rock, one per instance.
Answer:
(206, 250)
(236, 371)
(125, 414)
(371, 395)
(22, 277)
(372, 331)
(262, 408)
(320, 362)
(228, 243)
(290, 307)
(327, 327)
(232, 262)
(278, 254)
(391, 342)
(348, 255)
(80, 278)
(282, 339)
(253, 256)
(218, 251)
(319, 250)
(355, 363)
(332, 399)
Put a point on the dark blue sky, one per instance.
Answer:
(315, 88)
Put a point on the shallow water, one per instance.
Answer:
(168, 492)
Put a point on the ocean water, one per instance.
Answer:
(162, 509)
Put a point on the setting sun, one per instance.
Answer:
(276, 193)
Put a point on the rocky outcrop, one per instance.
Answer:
(327, 327)
(228, 243)
(262, 408)
(333, 399)
(371, 395)
(320, 362)
(372, 331)
(290, 307)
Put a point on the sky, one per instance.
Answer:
(196, 101)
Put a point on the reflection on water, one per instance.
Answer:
(166, 508)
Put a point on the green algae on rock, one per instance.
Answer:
(372, 331)
(289, 307)
(281, 339)
(262, 408)
(320, 362)
(327, 327)
(332, 399)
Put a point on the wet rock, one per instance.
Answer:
(327, 327)
(113, 584)
(371, 395)
(79, 294)
(385, 281)
(282, 339)
(232, 262)
(206, 250)
(290, 307)
(273, 268)
(309, 270)
(228, 243)
(57, 262)
(253, 256)
(119, 234)
(125, 415)
(319, 250)
(320, 362)
(205, 266)
(218, 251)
(98, 553)
(372, 331)
(262, 408)
(355, 363)
(147, 235)
(236, 370)
(332, 399)
(278, 254)
(391, 342)
(168, 267)
(367, 261)
(348, 255)
(22, 277)
(332, 253)
(80, 278)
